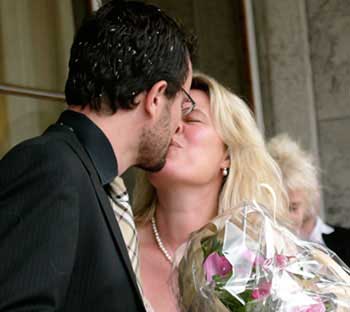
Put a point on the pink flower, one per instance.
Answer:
(259, 260)
(215, 264)
(253, 258)
(317, 307)
(249, 255)
(262, 291)
(281, 260)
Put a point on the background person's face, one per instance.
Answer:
(196, 153)
(297, 208)
(155, 142)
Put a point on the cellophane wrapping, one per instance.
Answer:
(245, 260)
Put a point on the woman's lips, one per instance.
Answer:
(175, 144)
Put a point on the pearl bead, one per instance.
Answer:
(159, 241)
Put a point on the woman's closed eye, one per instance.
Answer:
(293, 208)
(192, 119)
(195, 116)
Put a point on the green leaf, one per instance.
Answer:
(231, 302)
(220, 281)
(211, 244)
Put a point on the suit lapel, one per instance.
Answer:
(105, 205)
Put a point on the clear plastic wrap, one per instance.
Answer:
(246, 261)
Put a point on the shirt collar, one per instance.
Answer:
(319, 229)
(95, 143)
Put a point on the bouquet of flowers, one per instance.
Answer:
(245, 260)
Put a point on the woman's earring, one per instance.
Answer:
(225, 172)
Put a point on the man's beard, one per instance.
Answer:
(154, 144)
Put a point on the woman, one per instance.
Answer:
(216, 160)
(300, 177)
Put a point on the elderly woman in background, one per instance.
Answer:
(216, 160)
(300, 176)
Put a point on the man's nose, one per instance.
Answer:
(180, 126)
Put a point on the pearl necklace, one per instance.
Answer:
(159, 241)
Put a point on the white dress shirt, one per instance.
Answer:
(319, 229)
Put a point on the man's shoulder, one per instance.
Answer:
(48, 150)
(50, 144)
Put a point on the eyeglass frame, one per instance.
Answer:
(191, 100)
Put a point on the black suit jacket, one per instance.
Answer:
(61, 248)
(338, 241)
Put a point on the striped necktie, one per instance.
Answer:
(119, 199)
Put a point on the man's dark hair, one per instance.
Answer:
(122, 50)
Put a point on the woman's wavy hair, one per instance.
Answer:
(251, 165)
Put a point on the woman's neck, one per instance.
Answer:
(182, 210)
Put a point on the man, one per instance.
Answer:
(61, 248)
(300, 177)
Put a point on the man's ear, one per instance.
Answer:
(155, 98)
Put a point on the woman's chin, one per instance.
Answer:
(169, 174)
(166, 172)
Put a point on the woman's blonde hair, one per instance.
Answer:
(250, 163)
(298, 169)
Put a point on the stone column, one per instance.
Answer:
(304, 55)
(329, 29)
(285, 69)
